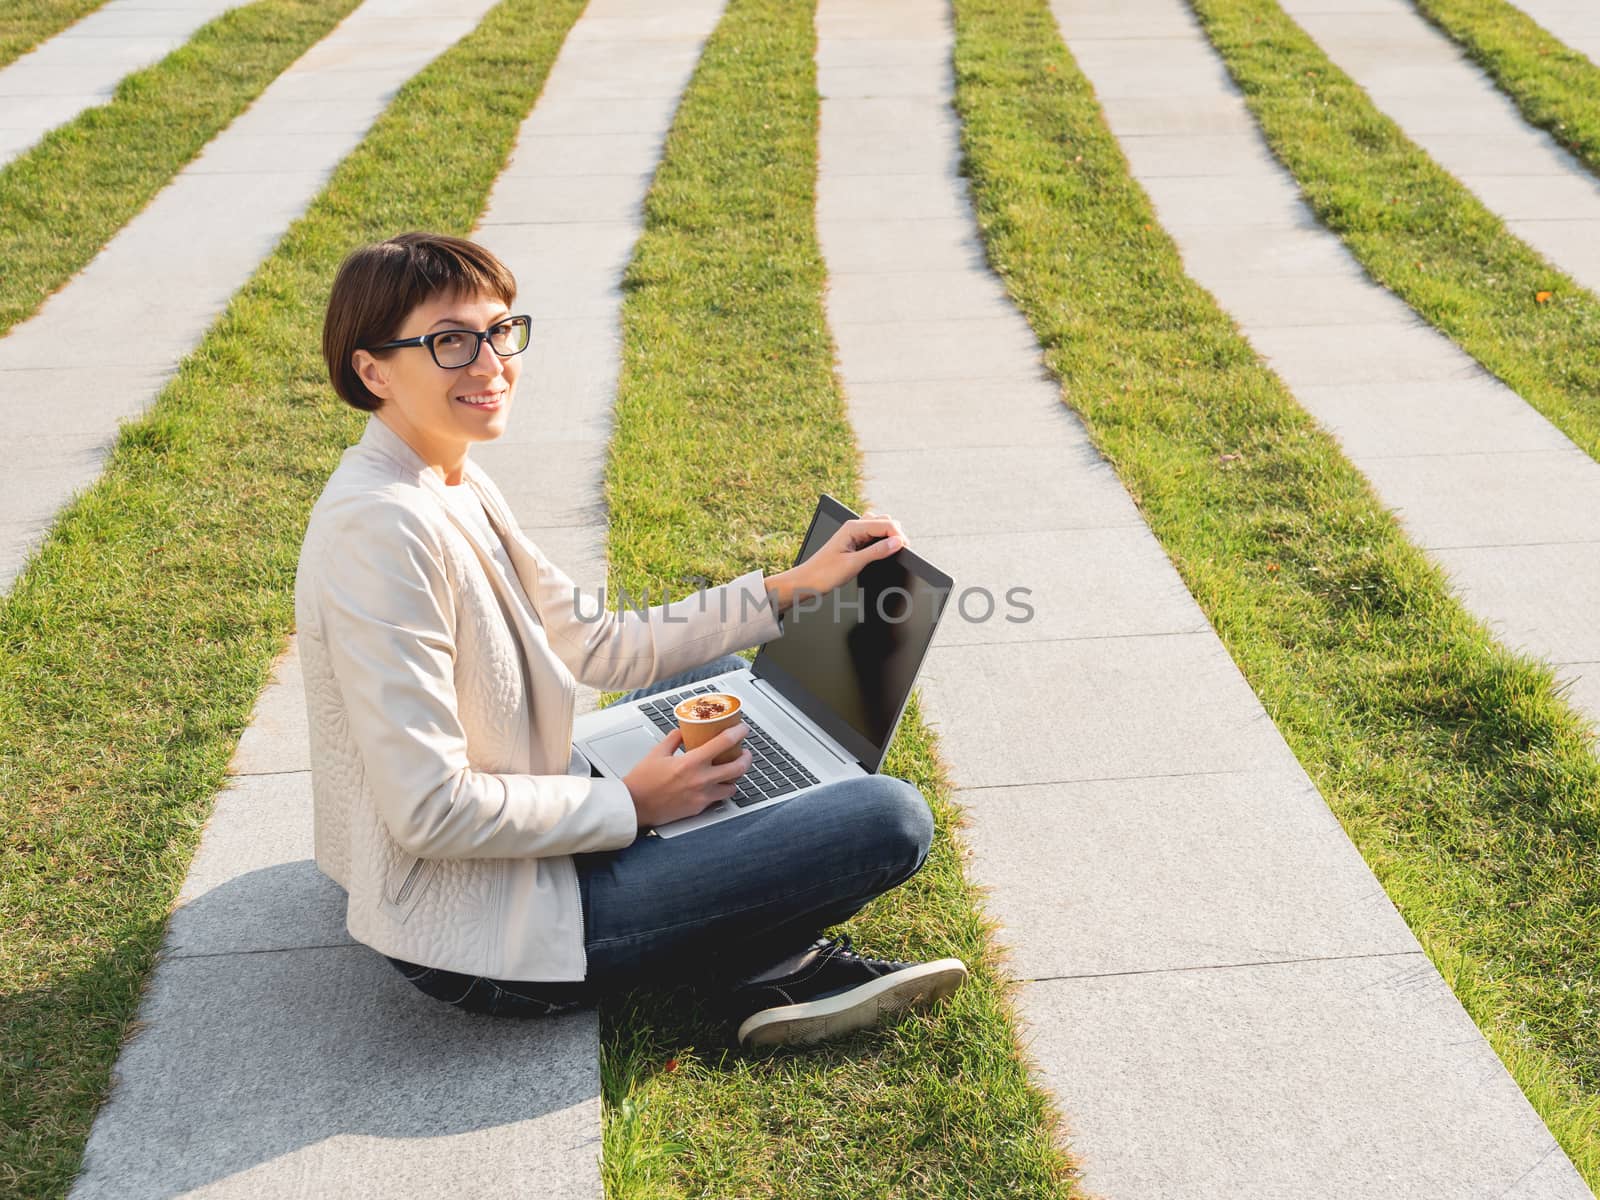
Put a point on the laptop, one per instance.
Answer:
(822, 700)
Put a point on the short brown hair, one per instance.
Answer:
(379, 285)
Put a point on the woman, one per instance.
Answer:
(441, 653)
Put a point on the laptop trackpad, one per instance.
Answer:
(620, 752)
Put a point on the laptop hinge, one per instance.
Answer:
(802, 721)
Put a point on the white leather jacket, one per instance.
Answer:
(448, 799)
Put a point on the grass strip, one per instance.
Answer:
(26, 23)
(67, 196)
(1466, 781)
(135, 643)
(729, 423)
(1555, 87)
(1416, 230)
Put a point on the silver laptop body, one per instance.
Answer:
(822, 701)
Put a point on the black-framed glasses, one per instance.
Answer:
(453, 349)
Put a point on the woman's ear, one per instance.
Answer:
(372, 372)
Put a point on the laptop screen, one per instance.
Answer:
(848, 659)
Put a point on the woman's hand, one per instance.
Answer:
(666, 786)
(854, 544)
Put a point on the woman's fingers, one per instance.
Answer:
(729, 772)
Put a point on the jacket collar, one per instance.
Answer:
(379, 438)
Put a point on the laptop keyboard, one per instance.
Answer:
(773, 770)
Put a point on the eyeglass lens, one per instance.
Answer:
(456, 348)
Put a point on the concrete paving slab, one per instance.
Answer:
(1544, 597)
(1378, 353)
(896, 79)
(1081, 887)
(80, 67)
(1266, 254)
(887, 197)
(1159, 155)
(1217, 200)
(321, 1071)
(1136, 22)
(278, 736)
(556, 154)
(574, 114)
(1422, 80)
(962, 414)
(1381, 1081)
(173, 268)
(891, 245)
(1148, 67)
(917, 119)
(1499, 154)
(1573, 245)
(1516, 498)
(1467, 416)
(1177, 116)
(253, 886)
(1571, 21)
(269, 153)
(873, 154)
(874, 52)
(551, 489)
(863, 300)
(970, 348)
(1060, 583)
(1349, 298)
(1067, 487)
(1111, 708)
(572, 199)
(1550, 198)
(96, 401)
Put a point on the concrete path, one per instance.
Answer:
(1575, 22)
(1215, 987)
(81, 66)
(278, 1056)
(565, 216)
(1421, 79)
(1498, 496)
(156, 288)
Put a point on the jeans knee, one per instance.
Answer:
(903, 820)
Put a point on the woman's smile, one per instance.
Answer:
(487, 401)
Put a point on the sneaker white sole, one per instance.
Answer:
(875, 1002)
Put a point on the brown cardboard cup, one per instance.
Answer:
(697, 731)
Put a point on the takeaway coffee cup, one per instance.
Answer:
(702, 717)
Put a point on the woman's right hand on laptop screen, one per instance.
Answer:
(667, 786)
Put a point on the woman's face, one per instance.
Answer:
(440, 412)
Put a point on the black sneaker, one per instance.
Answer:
(836, 991)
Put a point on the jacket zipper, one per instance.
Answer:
(411, 879)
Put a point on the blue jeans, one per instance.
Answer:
(723, 902)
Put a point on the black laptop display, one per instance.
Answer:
(848, 660)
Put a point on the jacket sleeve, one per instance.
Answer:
(387, 613)
(635, 646)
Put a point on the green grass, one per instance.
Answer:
(1466, 781)
(66, 197)
(26, 23)
(135, 643)
(1555, 87)
(1414, 228)
(729, 423)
